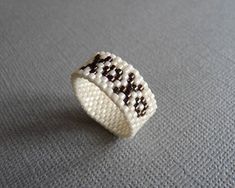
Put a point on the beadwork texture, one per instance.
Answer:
(114, 93)
(185, 50)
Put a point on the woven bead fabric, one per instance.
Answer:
(114, 93)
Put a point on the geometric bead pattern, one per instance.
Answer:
(113, 93)
(113, 73)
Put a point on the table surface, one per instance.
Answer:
(184, 49)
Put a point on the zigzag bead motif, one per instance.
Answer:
(128, 87)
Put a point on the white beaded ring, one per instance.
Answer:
(114, 94)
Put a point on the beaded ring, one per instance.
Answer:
(114, 94)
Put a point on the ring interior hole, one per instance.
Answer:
(100, 107)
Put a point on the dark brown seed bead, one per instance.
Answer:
(131, 76)
(145, 107)
(83, 67)
(137, 100)
(143, 101)
(97, 57)
(140, 87)
(113, 79)
(107, 58)
(115, 90)
(119, 71)
(131, 82)
(93, 71)
(110, 77)
(135, 105)
(128, 88)
(104, 73)
(106, 68)
(126, 100)
(112, 67)
(137, 110)
(122, 88)
(134, 87)
(119, 78)
(128, 94)
(143, 112)
(101, 61)
(116, 77)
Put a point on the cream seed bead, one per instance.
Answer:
(152, 97)
(129, 116)
(107, 63)
(132, 108)
(145, 85)
(120, 103)
(117, 83)
(115, 63)
(98, 80)
(137, 81)
(113, 56)
(141, 79)
(122, 96)
(118, 59)
(139, 93)
(92, 76)
(126, 109)
(80, 71)
(148, 99)
(125, 76)
(124, 82)
(99, 71)
(103, 85)
(108, 54)
(100, 65)
(93, 113)
(134, 94)
(141, 106)
(104, 79)
(148, 93)
(86, 71)
(113, 73)
(109, 91)
(136, 72)
(103, 55)
(128, 68)
(132, 101)
(120, 66)
(110, 84)
(115, 97)
(144, 92)
(124, 63)
(151, 107)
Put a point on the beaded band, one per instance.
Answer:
(114, 94)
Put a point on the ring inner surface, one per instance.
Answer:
(100, 107)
